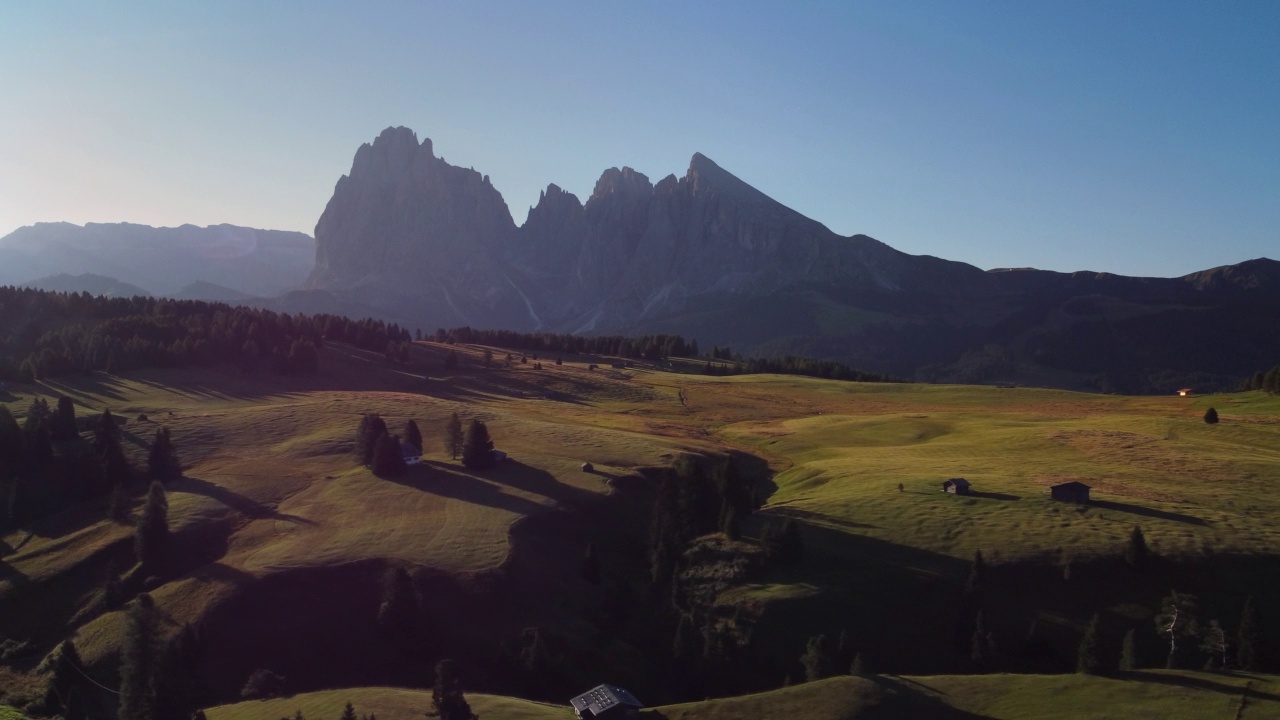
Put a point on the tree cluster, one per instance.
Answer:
(50, 334)
(692, 501)
(649, 347)
(789, 365)
(477, 447)
(1268, 381)
(378, 449)
(47, 466)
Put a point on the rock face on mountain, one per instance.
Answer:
(405, 227)
(709, 256)
(161, 261)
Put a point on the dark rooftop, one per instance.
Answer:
(603, 697)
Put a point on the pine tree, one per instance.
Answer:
(10, 445)
(858, 668)
(400, 613)
(816, 659)
(1087, 660)
(683, 646)
(388, 458)
(786, 546)
(140, 661)
(977, 575)
(729, 524)
(1129, 652)
(372, 426)
(152, 531)
(1177, 621)
(477, 447)
(1135, 551)
(591, 565)
(38, 414)
(412, 435)
(1211, 416)
(1216, 646)
(453, 436)
(106, 442)
(62, 425)
(118, 505)
(162, 461)
(64, 666)
(1249, 654)
(982, 646)
(447, 700)
(348, 712)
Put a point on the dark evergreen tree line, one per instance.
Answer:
(789, 365)
(1267, 381)
(49, 334)
(648, 347)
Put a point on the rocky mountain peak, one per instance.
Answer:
(705, 177)
(625, 182)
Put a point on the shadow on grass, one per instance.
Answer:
(1200, 683)
(87, 390)
(450, 482)
(234, 500)
(1146, 512)
(815, 519)
(993, 496)
(907, 698)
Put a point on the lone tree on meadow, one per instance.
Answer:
(162, 461)
(453, 436)
(152, 530)
(447, 701)
(1211, 416)
(477, 448)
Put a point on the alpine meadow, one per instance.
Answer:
(669, 448)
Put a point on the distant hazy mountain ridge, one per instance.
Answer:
(161, 261)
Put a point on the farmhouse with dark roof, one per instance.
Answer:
(1074, 491)
(606, 701)
(956, 486)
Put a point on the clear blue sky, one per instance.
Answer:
(1139, 138)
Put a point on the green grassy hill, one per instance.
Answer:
(281, 540)
(1164, 694)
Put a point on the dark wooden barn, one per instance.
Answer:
(606, 701)
(956, 486)
(1074, 491)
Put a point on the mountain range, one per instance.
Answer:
(709, 256)
(186, 261)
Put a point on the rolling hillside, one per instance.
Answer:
(281, 541)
